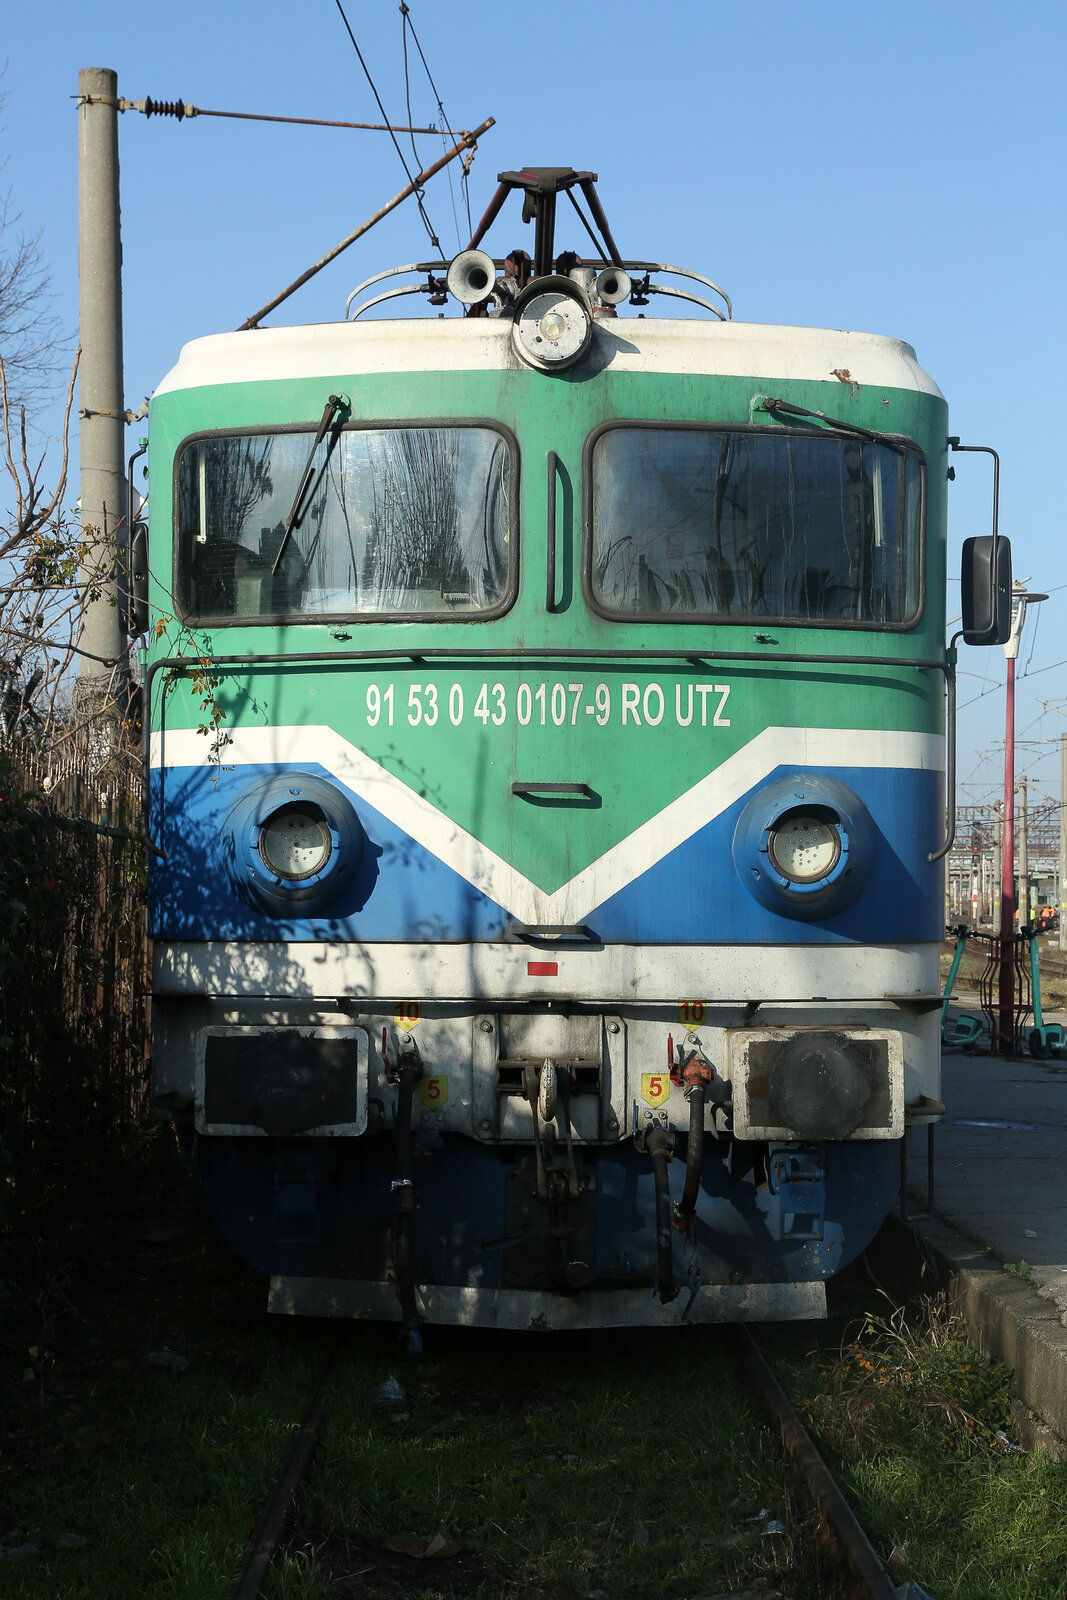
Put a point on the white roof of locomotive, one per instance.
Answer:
(760, 351)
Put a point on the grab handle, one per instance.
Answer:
(555, 933)
(534, 788)
(550, 598)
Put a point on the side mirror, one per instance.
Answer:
(133, 580)
(985, 583)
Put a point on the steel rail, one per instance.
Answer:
(855, 1547)
(271, 1524)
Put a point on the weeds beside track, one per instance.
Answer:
(149, 1404)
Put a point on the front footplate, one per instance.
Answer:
(540, 1312)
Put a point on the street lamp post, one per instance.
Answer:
(1006, 994)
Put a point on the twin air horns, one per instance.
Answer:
(553, 315)
(472, 278)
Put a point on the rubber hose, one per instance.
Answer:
(694, 1158)
(405, 1267)
(659, 1149)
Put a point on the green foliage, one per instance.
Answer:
(72, 979)
(917, 1427)
(23, 875)
(126, 1476)
(202, 680)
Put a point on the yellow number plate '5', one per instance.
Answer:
(433, 1092)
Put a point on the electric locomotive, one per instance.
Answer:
(545, 710)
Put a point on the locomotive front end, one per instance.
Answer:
(547, 778)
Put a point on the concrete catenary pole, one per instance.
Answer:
(102, 408)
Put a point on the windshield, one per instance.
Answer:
(411, 520)
(700, 523)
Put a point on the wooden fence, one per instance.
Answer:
(74, 980)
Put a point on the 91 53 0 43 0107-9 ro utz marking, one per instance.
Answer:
(551, 704)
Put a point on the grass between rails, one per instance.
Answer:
(623, 1463)
(145, 1405)
(915, 1424)
(522, 1466)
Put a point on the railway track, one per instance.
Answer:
(844, 1544)
(271, 1524)
(844, 1535)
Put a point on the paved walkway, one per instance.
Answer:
(1000, 1167)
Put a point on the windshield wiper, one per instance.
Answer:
(785, 408)
(334, 405)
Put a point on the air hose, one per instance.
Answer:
(659, 1149)
(406, 1201)
(694, 1158)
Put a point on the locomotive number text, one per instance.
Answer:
(544, 705)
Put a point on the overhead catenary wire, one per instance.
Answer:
(434, 240)
(1033, 643)
(407, 81)
(405, 12)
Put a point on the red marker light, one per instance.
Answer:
(543, 969)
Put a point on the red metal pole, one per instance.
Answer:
(1006, 1030)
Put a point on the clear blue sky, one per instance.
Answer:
(898, 170)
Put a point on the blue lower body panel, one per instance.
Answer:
(324, 1209)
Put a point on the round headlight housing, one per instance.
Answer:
(804, 846)
(553, 324)
(296, 842)
(292, 844)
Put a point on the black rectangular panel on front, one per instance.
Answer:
(281, 1080)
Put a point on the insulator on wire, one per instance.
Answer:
(164, 108)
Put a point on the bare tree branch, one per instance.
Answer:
(49, 567)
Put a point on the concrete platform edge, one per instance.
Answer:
(1007, 1317)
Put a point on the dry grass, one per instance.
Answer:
(917, 1426)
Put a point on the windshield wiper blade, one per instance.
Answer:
(334, 404)
(786, 408)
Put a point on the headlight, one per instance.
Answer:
(804, 847)
(295, 841)
(291, 845)
(553, 323)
